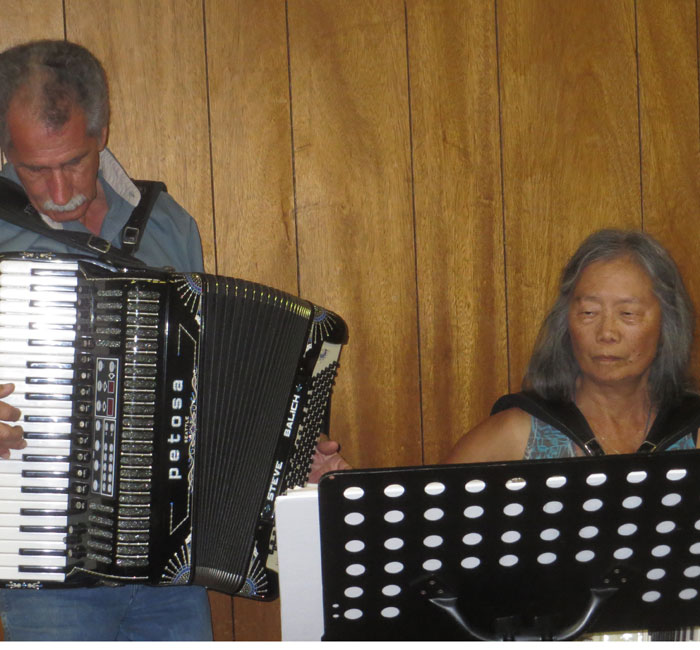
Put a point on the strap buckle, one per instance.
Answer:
(98, 244)
(130, 235)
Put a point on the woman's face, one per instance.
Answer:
(614, 322)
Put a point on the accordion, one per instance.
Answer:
(163, 414)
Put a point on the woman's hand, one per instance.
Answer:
(10, 435)
(326, 459)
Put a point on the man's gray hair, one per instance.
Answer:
(58, 75)
(553, 369)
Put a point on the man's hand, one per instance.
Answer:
(10, 435)
(326, 459)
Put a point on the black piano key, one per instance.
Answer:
(28, 489)
(36, 458)
(50, 343)
(35, 435)
(50, 365)
(28, 528)
(34, 473)
(42, 569)
(42, 512)
(54, 397)
(48, 418)
(49, 380)
(54, 552)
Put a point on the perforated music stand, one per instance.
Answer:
(520, 550)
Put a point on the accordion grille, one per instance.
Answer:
(252, 340)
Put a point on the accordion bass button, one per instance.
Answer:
(77, 529)
(77, 553)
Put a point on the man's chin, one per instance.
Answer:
(63, 217)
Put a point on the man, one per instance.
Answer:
(54, 120)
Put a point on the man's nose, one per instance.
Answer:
(60, 188)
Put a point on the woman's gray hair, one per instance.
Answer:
(58, 75)
(553, 369)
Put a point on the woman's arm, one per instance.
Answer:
(500, 437)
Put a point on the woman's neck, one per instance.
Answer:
(619, 416)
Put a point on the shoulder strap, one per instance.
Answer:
(563, 416)
(15, 209)
(135, 227)
(673, 423)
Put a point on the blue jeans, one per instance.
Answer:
(128, 613)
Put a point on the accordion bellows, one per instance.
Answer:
(164, 412)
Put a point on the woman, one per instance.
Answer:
(610, 369)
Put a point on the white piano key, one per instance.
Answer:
(25, 295)
(14, 534)
(17, 480)
(62, 428)
(14, 546)
(38, 520)
(55, 318)
(47, 351)
(11, 333)
(25, 280)
(10, 560)
(11, 360)
(25, 267)
(15, 507)
(13, 574)
(42, 446)
(10, 374)
(22, 388)
(46, 406)
(18, 466)
(30, 498)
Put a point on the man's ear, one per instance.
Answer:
(102, 139)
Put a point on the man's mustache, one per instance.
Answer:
(74, 203)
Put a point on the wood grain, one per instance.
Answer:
(355, 223)
(459, 225)
(154, 56)
(251, 141)
(570, 144)
(670, 129)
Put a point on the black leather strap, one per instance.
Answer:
(135, 227)
(672, 423)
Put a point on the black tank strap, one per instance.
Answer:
(672, 423)
(563, 416)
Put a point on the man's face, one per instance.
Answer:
(58, 169)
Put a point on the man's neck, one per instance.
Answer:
(96, 212)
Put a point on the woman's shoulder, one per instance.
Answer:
(502, 436)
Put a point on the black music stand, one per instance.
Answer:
(519, 550)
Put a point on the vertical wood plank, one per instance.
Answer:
(570, 143)
(459, 232)
(154, 56)
(356, 239)
(251, 141)
(253, 192)
(668, 79)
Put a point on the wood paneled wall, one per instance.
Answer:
(423, 167)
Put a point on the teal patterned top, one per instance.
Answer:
(547, 442)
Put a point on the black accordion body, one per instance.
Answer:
(163, 414)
